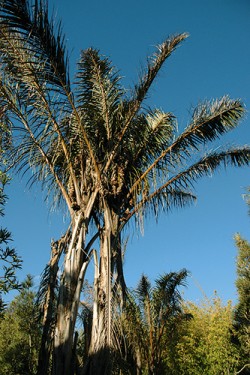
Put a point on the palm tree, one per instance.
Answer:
(99, 153)
(150, 319)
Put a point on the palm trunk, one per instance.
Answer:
(102, 343)
(75, 264)
(99, 362)
(66, 318)
(48, 318)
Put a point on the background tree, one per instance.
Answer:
(20, 334)
(242, 311)
(99, 150)
(150, 322)
(205, 345)
(9, 260)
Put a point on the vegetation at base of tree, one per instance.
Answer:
(20, 334)
(159, 333)
(242, 310)
(205, 345)
(103, 156)
(150, 320)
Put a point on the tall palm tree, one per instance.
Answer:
(99, 152)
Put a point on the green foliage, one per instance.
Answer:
(20, 334)
(9, 260)
(242, 311)
(150, 322)
(204, 345)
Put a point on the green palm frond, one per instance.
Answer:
(161, 200)
(208, 164)
(209, 122)
(30, 97)
(134, 104)
(28, 25)
(176, 191)
(152, 131)
(155, 63)
(166, 292)
(132, 321)
(148, 324)
(98, 96)
(33, 121)
(98, 83)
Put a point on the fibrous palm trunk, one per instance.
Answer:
(101, 327)
(102, 343)
(75, 265)
(48, 313)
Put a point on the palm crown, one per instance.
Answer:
(97, 135)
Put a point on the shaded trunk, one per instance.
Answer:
(101, 343)
(63, 356)
(75, 265)
(48, 308)
(102, 347)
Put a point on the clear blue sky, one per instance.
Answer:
(213, 61)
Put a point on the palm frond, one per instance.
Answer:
(207, 165)
(29, 24)
(155, 63)
(171, 280)
(166, 291)
(176, 191)
(162, 200)
(148, 137)
(210, 121)
(98, 98)
(34, 70)
(41, 140)
(133, 105)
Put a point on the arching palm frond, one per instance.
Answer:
(150, 134)
(98, 91)
(209, 122)
(134, 104)
(155, 63)
(98, 97)
(177, 190)
(166, 296)
(165, 169)
(29, 25)
(35, 91)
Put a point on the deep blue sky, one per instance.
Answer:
(213, 61)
